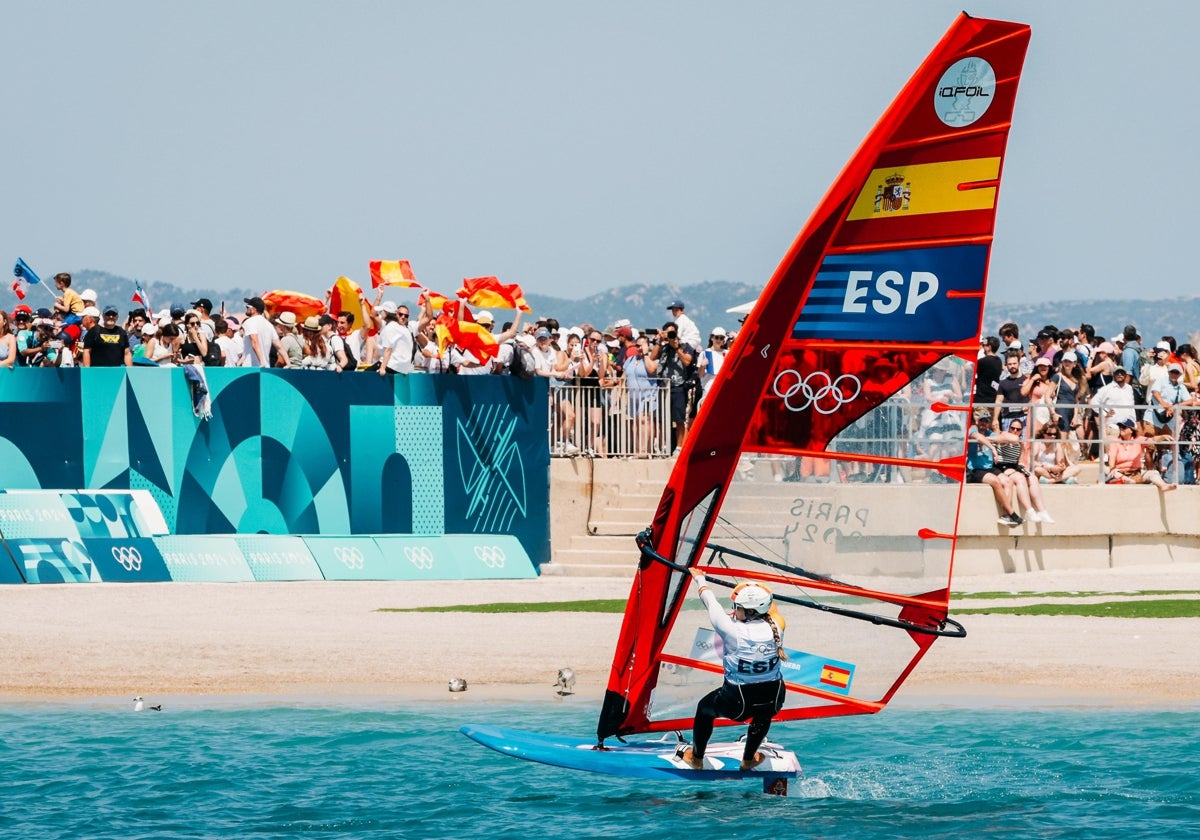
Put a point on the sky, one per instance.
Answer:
(567, 147)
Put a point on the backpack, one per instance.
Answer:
(351, 362)
(215, 357)
(523, 364)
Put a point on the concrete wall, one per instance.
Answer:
(597, 505)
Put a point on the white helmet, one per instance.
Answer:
(753, 597)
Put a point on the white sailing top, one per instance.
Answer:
(748, 647)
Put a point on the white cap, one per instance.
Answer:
(91, 310)
(388, 306)
(1162, 345)
(88, 294)
(718, 331)
(149, 329)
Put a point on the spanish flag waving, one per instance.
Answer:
(392, 273)
(490, 293)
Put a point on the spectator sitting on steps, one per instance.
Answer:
(981, 468)
(1127, 458)
(1010, 457)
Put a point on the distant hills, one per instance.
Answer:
(645, 305)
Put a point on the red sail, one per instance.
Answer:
(873, 314)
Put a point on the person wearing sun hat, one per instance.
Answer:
(317, 354)
(1155, 369)
(293, 347)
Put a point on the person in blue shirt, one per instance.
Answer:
(981, 468)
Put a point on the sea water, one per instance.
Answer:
(234, 769)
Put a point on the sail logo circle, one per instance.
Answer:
(129, 558)
(819, 390)
(965, 92)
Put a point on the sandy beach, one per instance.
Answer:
(306, 639)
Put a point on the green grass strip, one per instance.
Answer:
(600, 605)
(1073, 594)
(1163, 608)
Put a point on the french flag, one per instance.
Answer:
(25, 278)
(139, 297)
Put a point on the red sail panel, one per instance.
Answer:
(876, 306)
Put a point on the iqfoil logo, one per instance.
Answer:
(965, 92)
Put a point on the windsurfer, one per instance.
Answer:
(753, 689)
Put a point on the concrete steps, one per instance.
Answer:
(599, 505)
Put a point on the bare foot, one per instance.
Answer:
(750, 765)
(1167, 488)
(689, 757)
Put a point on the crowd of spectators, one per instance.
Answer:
(1070, 397)
(600, 377)
(1042, 408)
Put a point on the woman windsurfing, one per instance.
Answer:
(752, 647)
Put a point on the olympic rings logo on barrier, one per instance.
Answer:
(491, 556)
(816, 390)
(350, 557)
(420, 556)
(129, 558)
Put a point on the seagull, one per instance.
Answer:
(139, 705)
(566, 681)
(458, 684)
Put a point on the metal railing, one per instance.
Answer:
(611, 422)
(619, 422)
(1089, 429)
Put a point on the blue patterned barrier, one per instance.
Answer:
(285, 452)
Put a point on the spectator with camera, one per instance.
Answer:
(982, 469)
(676, 361)
(45, 350)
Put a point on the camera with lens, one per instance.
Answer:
(672, 335)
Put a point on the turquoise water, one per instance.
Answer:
(250, 771)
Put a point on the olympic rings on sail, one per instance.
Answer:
(816, 390)
(491, 556)
(420, 556)
(350, 557)
(129, 558)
